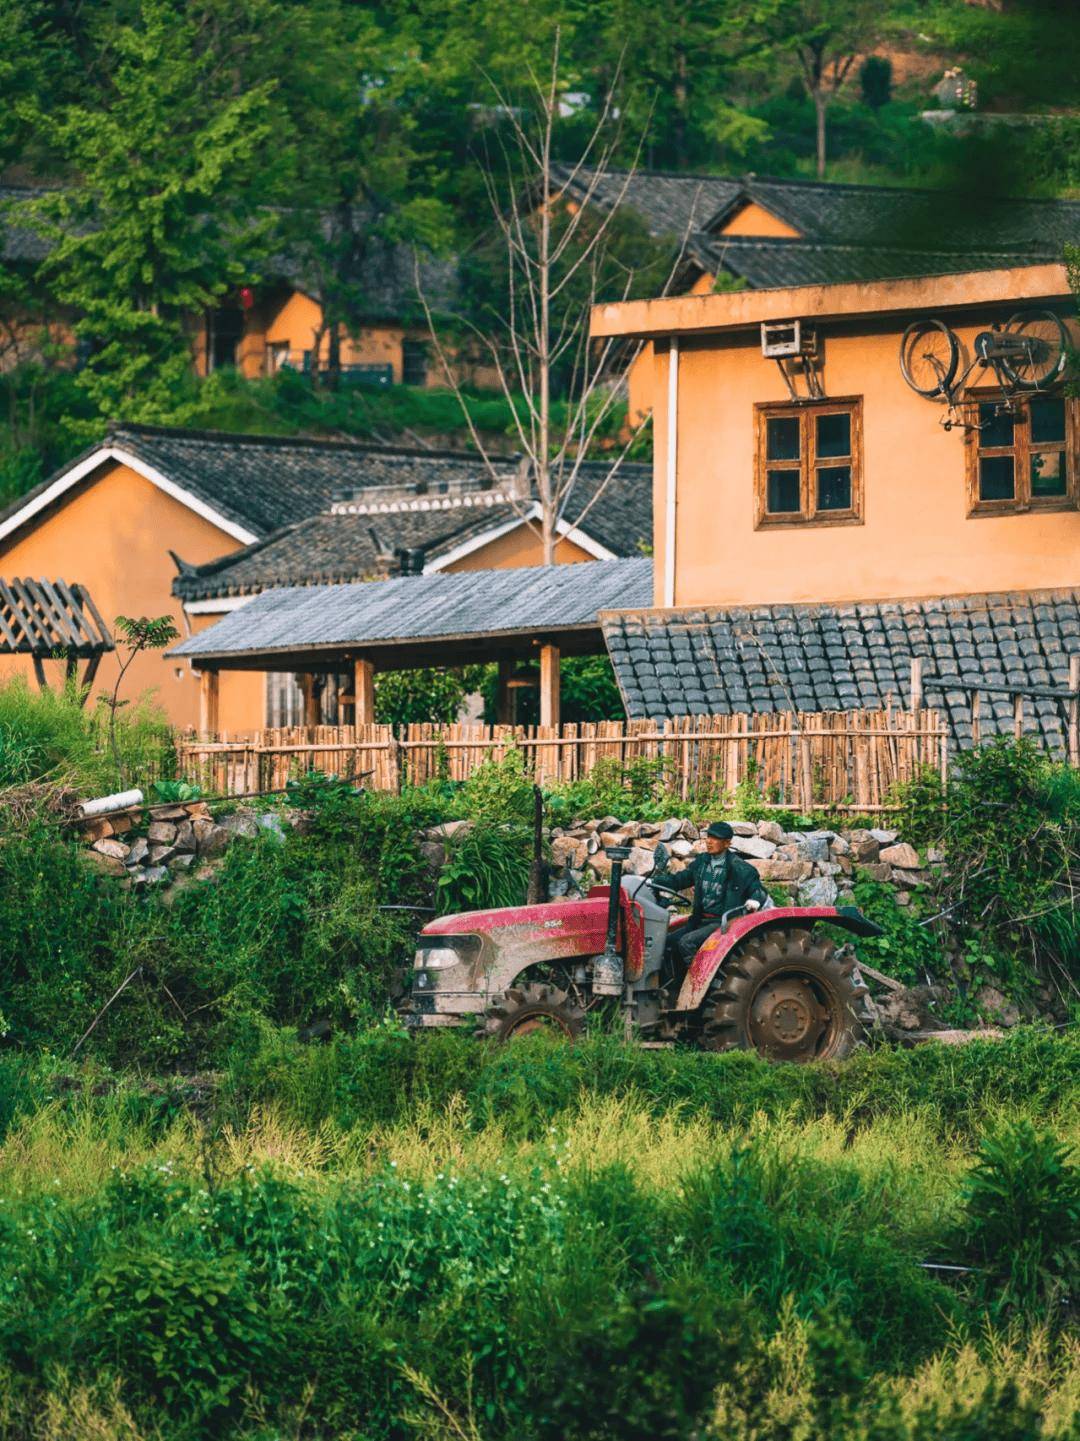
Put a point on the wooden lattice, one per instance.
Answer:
(51, 620)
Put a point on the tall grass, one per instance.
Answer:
(609, 1270)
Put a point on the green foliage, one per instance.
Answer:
(174, 792)
(875, 81)
(433, 694)
(50, 735)
(498, 791)
(908, 950)
(486, 866)
(1022, 1212)
(184, 1329)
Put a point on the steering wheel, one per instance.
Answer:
(670, 891)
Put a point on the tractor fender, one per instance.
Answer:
(716, 949)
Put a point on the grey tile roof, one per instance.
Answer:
(849, 657)
(264, 482)
(849, 232)
(337, 545)
(769, 263)
(425, 607)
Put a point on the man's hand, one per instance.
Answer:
(753, 905)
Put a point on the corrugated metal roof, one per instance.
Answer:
(426, 607)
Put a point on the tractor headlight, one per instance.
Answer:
(439, 958)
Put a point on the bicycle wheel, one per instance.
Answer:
(929, 355)
(1044, 357)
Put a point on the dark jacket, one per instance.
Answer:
(742, 884)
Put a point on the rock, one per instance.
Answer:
(160, 854)
(818, 891)
(150, 876)
(106, 864)
(629, 830)
(903, 899)
(884, 838)
(670, 830)
(771, 831)
(997, 1006)
(864, 848)
(827, 868)
(196, 808)
(181, 862)
(168, 813)
(813, 848)
(569, 851)
(680, 849)
(121, 824)
(828, 836)
(839, 846)
(904, 856)
(911, 1009)
(935, 856)
(744, 828)
(270, 822)
(909, 880)
(447, 829)
(639, 862)
(609, 823)
(690, 831)
(787, 851)
(845, 866)
(138, 851)
(96, 830)
(592, 845)
(185, 837)
(434, 854)
(649, 828)
(161, 833)
(108, 847)
(600, 865)
(240, 823)
(648, 843)
(210, 838)
(697, 848)
(878, 872)
(612, 838)
(753, 847)
(774, 870)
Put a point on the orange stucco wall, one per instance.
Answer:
(516, 548)
(113, 536)
(916, 538)
(754, 219)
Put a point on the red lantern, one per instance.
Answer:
(247, 297)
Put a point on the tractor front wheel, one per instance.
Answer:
(790, 996)
(532, 1007)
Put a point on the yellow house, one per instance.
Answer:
(758, 233)
(819, 522)
(224, 515)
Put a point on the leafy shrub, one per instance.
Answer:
(1022, 1211)
(182, 1329)
(498, 791)
(486, 866)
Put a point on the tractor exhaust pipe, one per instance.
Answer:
(608, 968)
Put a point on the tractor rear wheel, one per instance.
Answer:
(790, 996)
(535, 1006)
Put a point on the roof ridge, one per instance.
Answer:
(231, 437)
(824, 243)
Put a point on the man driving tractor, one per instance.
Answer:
(721, 881)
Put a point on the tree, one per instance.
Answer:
(558, 243)
(162, 218)
(825, 37)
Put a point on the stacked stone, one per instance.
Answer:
(174, 838)
(815, 868)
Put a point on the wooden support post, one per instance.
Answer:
(311, 700)
(364, 692)
(1073, 711)
(504, 702)
(549, 685)
(208, 704)
(1018, 715)
(916, 683)
(976, 719)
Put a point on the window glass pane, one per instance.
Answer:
(996, 427)
(1047, 419)
(782, 432)
(1048, 472)
(996, 477)
(833, 435)
(834, 487)
(782, 494)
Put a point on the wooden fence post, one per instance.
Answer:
(916, 683)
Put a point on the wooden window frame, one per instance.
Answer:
(807, 514)
(1023, 502)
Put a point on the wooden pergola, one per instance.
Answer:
(52, 620)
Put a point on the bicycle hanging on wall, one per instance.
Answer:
(1026, 355)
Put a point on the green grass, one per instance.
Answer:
(541, 1242)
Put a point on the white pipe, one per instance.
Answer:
(672, 469)
(119, 802)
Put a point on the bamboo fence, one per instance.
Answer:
(843, 760)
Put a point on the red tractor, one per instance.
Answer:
(766, 981)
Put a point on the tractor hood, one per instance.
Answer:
(527, 935)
